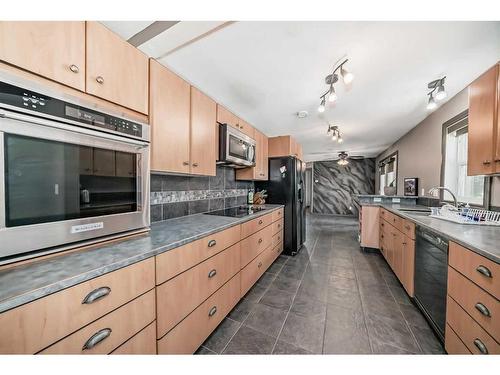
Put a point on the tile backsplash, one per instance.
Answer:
(174, 196)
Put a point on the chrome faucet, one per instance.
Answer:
(432, 190)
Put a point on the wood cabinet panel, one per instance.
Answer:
(116, 70)
(187, 336)
(474, 300)
(170, 103)
(52, 49)
(255, 244)
(34, 326)
(224, 116)
(254, 270)
(408, 266)
(175, 261)
(264, 158)
(476, 268)
(120, 325)
(277, 226)
(245, 128)
(278, 214)
(482, 123)
(179, 296)
(370, 224)
(252, 226)
(408, 229)
(470, 332)
(497, 124)
(143, 342)
(279, 146)
(453, 344)
(203, 140)
(277, 238)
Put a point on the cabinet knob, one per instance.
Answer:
(74, 68)
(260, 240)
(212, 311)
(260, 222)
(185, 163)
(99, 80)
(486, 162)
(259, 265)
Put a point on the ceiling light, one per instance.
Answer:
(321, 107)
(340, 139)
(432, 103)
(346, 75)
(441, 94)
(332, 96)
(343, 158)
(334, 136)
(342, 162)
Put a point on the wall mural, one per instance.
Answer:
(336, 184)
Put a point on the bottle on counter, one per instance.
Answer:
(250, 197)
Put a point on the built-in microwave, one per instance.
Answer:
(70, 173)
(236, 149)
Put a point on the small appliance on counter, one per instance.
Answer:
(236, 149)
(70, 172)
(286, 186)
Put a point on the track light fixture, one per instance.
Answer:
(343, 158)
(441, 94)
(334, 132)
(331, 79)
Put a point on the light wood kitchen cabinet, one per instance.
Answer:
(369, 226)
(484, 139)
(115, 70)
(224, 116)
(142, 343)
(285, 145)
(169, 117)
(52, 49)
(203, 135)
(246, 128)
(261, 169)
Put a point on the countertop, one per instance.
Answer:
(481, 239)
(26, 283)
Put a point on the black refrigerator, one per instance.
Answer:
(286, 186)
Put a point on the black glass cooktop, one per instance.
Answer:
(240, 211)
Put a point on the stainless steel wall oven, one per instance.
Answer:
(69, 172)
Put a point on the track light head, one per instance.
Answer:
(321, 107)
(340, 139)
(441, 94)
(332, 95)
(432, 103)
(347, 76)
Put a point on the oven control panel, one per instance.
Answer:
(42, 104)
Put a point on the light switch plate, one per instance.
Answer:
(377, 200)
(396, 200)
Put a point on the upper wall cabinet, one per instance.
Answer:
(224, 116)
(284, 145)
(55, 50)
(203, 134)
(116, 70)
(169, 117)
(484, 137)
(260, 170)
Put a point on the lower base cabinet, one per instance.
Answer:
(189, 334)
(143, 342)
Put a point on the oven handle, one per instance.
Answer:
(73, 128)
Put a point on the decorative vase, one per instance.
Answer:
(390, 190)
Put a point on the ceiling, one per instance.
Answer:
(266, 72)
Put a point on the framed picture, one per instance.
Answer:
(410, 186)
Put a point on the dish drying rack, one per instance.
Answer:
(466, 215)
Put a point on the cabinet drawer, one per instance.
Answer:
(180, 296)
(408, 228)
(252, 226)
(474, 300)
(277, 250)
(36, 325)
(142, 343)
(395, 221)
(384, 215)
(475, 267)
(187, 336)
(277, 226)
(278, 238)
(278, 214)
(252, 272)
(453, 344)
(114, 328)
(471, 334)
(255, 244)
(173, 262)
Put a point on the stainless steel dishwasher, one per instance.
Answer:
(431, 274)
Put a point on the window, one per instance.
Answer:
(388, 173)
(468, 189)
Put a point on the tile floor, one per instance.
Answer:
(331, 298)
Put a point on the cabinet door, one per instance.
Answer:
(169, 120)
(497, 124)
(482, 122)
(408, 270)
(116, 70)
(203, 142)
(104, 162)
(55, 50)
(245, 128)
(226, 117)
(125, 164)
(264, 165)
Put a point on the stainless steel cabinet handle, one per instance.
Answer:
(212, 273)
(99, 80)
(185, 163)
(96, 338)
(96, 294)
(212, 311)
(195, 164)
(212, 243)
(480, 345)
(484, 271)
(487, 162)
(260, 221)
(482, 309)
(74, 68)
(260, 240)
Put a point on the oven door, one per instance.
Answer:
(61, 184)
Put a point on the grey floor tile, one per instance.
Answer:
(343, 283)
(203, 350)
(256, 293)
(303, 332)
(286, 348)
(344, 298)
(313, 290)
(286, 284)
(250, 341)
(309, 308)
(221, 336)
(293, 271)
(400, 295)
(277, 298)
(241, 311)
(266, 319)
(384, 330)
(339, 271)
(427, 341)
(385, 348)
(377, 305)
(413, 316)
(266, 279)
